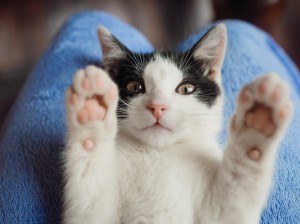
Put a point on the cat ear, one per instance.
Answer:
(112, 49)
(210, 50)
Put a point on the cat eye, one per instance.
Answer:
(135, 87)
(186, 89)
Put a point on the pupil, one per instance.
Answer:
(136, 88)
(186, 90)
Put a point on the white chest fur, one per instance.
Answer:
(157, 186)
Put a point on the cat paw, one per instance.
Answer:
(91, 106)
(262, 114)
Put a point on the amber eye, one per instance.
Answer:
(135, 87)
(186, 89)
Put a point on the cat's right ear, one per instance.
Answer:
(112, 50)
(210, 50)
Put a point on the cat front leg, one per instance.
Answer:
(256, 129)
(90, 193)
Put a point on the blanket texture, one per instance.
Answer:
(32, 139)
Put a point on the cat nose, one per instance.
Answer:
(157, 109)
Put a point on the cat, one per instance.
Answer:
(142, 142)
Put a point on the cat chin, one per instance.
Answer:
(157, 142)
(154, 136)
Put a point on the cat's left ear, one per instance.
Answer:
(112, 50)
(210, 50)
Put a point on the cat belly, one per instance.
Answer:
(155, 190)
(157, 205)
(147, 213)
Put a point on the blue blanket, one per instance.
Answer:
(32, 139)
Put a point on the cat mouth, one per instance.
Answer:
(157, 125)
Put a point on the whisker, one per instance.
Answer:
(189, 54)
(125, 103)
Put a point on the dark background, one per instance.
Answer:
(27, 26)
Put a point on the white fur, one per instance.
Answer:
(146, 175)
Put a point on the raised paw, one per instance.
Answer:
(91, 104)
(263, 113)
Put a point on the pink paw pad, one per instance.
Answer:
(283, 113)
(262, 88)
(260, 118)
(74, 99)
(275, 95)
(82, 116)
(85, 83)
(88, 144)
(91, 106)
(269, 129)
(245, 96)
(92, 110)
(254, 154)
(99, 82)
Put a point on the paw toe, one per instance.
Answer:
(276, 94)
(262, 88)
(85, 84)
(285, 111)
(82, 116)
(99, 82)
(74, 99)
(244, 96)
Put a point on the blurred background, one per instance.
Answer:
(27, 26)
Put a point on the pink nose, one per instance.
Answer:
(157, 109)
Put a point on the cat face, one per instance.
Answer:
(168, 97)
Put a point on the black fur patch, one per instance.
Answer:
(207, 90)
(129, 69)
(194, 72)
(132, 67)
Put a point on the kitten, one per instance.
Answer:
(142, 138)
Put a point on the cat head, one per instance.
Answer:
(168, 97)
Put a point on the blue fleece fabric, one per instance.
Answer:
(32, 138)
